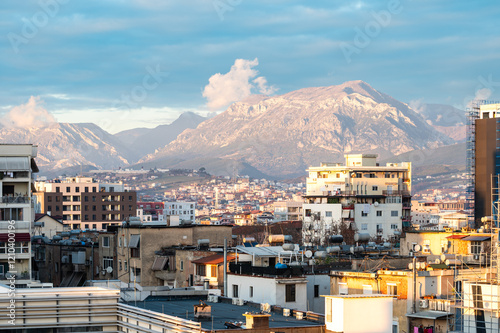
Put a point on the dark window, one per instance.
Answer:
(77, 189)
(94, 189)
(94, 208)
(94, 226)
(129, 198)
(364, 214)
(290, 293)
(86, 189)
(235, 290)
(58, 199)
(251, 291)
(68, 189)
(201, 270)
(58, 189)
(57, 208)
(86, 198)
(49, 208)
(93, 198)
(111, 189)
(135, 253)
(49, 199)
(93, 217)
(316, 290)
(86, 226)
(379, 213)
(105, 241)
(86, 219)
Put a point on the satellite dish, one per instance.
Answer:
(376, 204)
(308, 254)
(109, 270)
(417, 248)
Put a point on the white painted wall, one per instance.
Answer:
(317, 304)
(386, 220)
(268, 290)
(359, 314)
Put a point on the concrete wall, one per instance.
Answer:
(317, 304)
(385, 221)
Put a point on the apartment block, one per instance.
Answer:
(185, 210)
(17, 164)
(86, 204)
(366, 197)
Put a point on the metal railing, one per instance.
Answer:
(247, 269)
(16, 199)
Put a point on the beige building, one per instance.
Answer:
(138, 245)
(369, 198)
(17, 164)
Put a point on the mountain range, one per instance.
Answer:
(261, 136)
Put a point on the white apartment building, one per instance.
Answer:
(367, 197)
(185, 211)
(17, 163)
(287, 211)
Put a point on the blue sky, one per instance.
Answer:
(83, 57)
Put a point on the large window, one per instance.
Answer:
(107, 262)
(20, 247)
(394, 213)
(475, 247)
(201, 270)
(105, 241)
(392, 289)
(213, 272)
(290, 293)
(7, 214)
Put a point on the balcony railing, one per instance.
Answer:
(247, 269)
(16, 199)
(396, 193)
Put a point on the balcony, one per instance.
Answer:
(248, 269)
(21, 199)
(18, 225)
(396, 193)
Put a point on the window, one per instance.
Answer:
(379, 213)
(58, 189)
(392, 289)
(394, 226)
(86, 226)
(364, 214)
(120, 265)
(119, 242)
(374, 188)
(394, 213)
(290, 293)
(105, 241)
(77, 189)
(201, 270)
(343, 289)
(181, 265)
(49, 208)
(68, 189)
(367, 289)
(94, 208)
(364, 226)
(235, 290)
(328, 214)
(125, 266)
(107, 262)
(57, 208)
(213, 272)
(86, 198)
(94, 226)
(308, 212)
(316, 290)
(475, 247)
(49, 199)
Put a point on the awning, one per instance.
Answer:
(159, 263)
(345, 214)
(134, 241)
(476, 238)
(11, 163)
(19, 237)
(456, 236)
(213, 259)
(429, 315)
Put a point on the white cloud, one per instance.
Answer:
(31, 114)
(418, 105)
(237, 84)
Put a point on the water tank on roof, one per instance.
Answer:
(134, 221)
(333, 249)
(280, 238)
(361, 237)
(387, 244)
(56, 238)
(356, 249)
(248, 239)
(371, 244)
(204, 242)
(336, 239)
(320, 254)
(64, 234)
(288, 247)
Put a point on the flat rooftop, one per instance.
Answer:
(221, 312)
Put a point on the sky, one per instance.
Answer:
(139, 63)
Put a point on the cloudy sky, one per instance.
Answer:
(140, 63)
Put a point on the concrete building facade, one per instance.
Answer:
(361, 194)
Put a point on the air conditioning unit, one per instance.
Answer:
(299, 315)
(213, 298)
(286, 312)
(424, 303)
(235, 301)
(240, 301)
